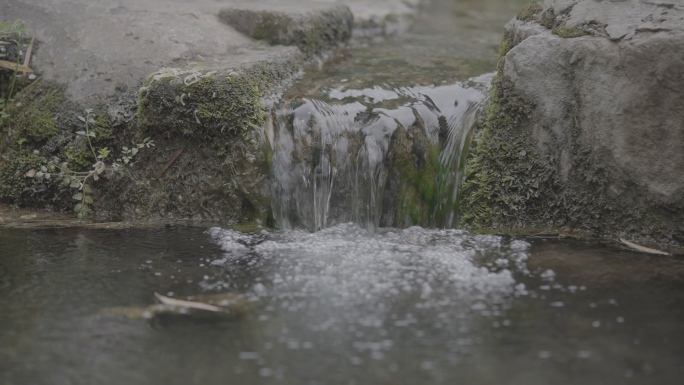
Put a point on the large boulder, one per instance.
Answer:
(585, 124)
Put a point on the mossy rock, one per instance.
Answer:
(214, 118)
(313, 33)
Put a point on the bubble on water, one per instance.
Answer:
(557, 304)
(620, 319)
(343, 277)
(548, 275)
(596, 324)
(544, 354)
(584, 354)
(265, 372)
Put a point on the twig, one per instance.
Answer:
(169, 162)
(27, 57)
(14, 66)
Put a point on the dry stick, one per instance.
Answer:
(187, 304)
(27, 57)
(169, 162)
(13, 66)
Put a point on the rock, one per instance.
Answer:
(175, 72)
(595, 118)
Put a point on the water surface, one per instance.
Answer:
(338, 306)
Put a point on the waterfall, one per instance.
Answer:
(376, 157)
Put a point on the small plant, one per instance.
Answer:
(20, 142)
(10, 33)
(79, 180)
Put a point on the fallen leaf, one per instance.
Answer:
(187, 304)
(642, 249)
(31, 173)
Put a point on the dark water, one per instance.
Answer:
(342, 305)
(337, 307)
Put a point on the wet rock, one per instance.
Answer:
(171, 71)
(313, 32)
(595, 119)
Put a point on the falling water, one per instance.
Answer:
(338, 158)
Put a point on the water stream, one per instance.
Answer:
(366, 298)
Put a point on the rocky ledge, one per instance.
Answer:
(152, 110)
(584, 128)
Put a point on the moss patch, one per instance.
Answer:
(37, 122)
(313, 33)
(529, 11)
(215, 118)
(567, 33)
(504, 176)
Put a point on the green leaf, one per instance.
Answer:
(77, 196)
(86, 188)
(78, 208)
(88, 199)
(75, 184)
(81, 119)
(80, 132)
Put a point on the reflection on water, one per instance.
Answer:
(338, 306)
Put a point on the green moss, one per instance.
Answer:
(214, 107)
(103, 130)
(217, 119)
(312, 34)
(78, 156)
(503, 174)
(548, 19)
(37, 121)
(567, 33)
(16, 188)
(529, 11)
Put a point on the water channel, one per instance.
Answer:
(357, 301)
